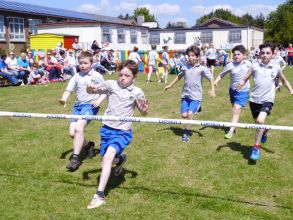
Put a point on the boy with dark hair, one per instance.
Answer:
(122, 97)
(238, 70)
(191, 96)
(262, 95)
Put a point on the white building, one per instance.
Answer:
(223, 34)
(120, 35)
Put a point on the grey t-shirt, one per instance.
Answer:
(237, 72)
(121, 102)
(264, 76)
(280, 61)
(192, 88)
(79, 84)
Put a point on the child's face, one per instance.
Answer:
(85, 65)
(266, 55)
(238, 56)
(126, 77)
(192, 58)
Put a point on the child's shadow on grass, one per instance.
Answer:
(114, 181)
(244, 150)
(180, 131)
(225, 129)
(83, 154)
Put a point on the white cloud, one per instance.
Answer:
(103, 5)
(126, 7)
(250, 9)
(165, 8)
(89, 8)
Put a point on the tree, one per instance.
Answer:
(227, 15)
(279, 25)
(177, 24)
(148, 17)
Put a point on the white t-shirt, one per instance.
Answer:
(134, 56)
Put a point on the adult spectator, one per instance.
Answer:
(12, 65)
(76, 45)
(6, 74)
(290, 56)
(106, 58)
(23, 66)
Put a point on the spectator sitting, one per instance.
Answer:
(51, 66)
(6, 74)
(12, 65)
(34, 76)
(42, 66)
(31, 59)
(23, 66)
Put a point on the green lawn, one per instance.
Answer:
(208, 178)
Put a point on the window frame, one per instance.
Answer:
(179, 39)
(33, 23)
(133, 36)
(204, 38)
(121, 35)
(235, 36)
(144, 36)
(107, 33)
(155, 40)
(16, 23)
(2, 33)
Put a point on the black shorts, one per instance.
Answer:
(211, 62)
(257, 108)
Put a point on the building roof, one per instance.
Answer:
(219, 22)
(24, 8)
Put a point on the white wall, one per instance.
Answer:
(249, 37)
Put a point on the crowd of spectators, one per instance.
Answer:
(56, 65)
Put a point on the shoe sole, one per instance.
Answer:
(119, 172)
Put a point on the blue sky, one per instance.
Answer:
(164, 10)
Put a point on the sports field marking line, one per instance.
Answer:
(147, 120)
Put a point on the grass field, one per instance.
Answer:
(207, 178)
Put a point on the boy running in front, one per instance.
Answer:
(262, 95)
(123, 97)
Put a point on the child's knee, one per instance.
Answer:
(260, 120)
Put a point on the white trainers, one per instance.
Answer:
(96, 202)
(118, 169)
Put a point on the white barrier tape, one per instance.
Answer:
(148, 120)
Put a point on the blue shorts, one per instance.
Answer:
(239, 98)
(188, 105)
(116, 138)
(84, 109)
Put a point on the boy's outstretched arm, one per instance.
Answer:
(244, 80)
(217, 80)
(64, 98)
(143, 106)
(286, 83)
(172, 83)
(212, 92)
(98, 102)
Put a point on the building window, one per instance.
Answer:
(133, 36)
(106, 34)
(180, 38)
(144, 36)
(33, 29)
(206, 37)
(121, 35)
(155, 38)
(235, 36)
(16, 26)
(2, 28)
